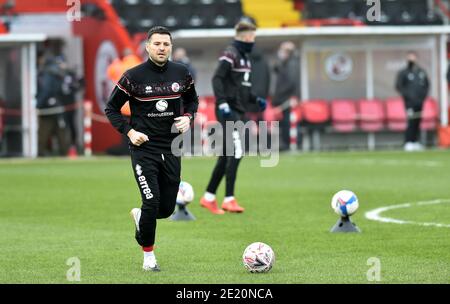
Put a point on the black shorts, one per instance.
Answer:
(158, 179)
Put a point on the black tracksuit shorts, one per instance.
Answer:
(158, 180)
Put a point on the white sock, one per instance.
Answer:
(228, 199)
(148, 254)
(209, 196)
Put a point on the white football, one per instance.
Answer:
(258, 257)
(345, 203)
(185, 193)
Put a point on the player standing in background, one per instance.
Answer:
(412, 83)
(232, 89)
(154, 90)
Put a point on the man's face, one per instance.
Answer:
(411, 57)
(159, 48)
(250, 36)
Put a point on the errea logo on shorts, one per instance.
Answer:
(138, 169)
(143, 183)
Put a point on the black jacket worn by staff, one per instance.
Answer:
(155, 94)
(412, 83)
(231, 81)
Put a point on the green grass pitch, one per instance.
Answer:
(51, 210)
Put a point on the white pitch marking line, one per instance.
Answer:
(375, 215)
(383, 162)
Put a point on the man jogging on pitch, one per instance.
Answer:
(155, 90)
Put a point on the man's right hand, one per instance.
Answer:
(137, 138)
(224, 110)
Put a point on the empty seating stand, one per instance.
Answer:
(393, 12)
(139, 15)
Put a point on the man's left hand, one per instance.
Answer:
(182, 123)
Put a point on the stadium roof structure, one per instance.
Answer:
(320, 31)
(22, 38)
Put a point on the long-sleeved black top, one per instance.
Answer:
(412, 83)
(231, 81)
(156, 95)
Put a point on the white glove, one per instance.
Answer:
(224, 109)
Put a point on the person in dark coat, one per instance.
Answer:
(413, 85)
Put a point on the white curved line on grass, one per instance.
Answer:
(375, 214)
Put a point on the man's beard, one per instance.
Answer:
(159, 61)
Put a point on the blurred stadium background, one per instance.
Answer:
(352, 107)
(358, 108)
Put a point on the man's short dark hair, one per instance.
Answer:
(245, 25)
(158, 30)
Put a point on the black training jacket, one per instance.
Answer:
(157, 95)
(231, 81)
(412, 83)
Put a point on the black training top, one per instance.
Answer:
(231, 81)
(157, 95)
(412, 83)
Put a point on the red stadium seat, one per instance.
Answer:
(343, 115)
(395, 114)
(430, 115)
(315, 111)
(269, 114)
(206, 110)
(371, 115)
(315, 115)
(297, 111)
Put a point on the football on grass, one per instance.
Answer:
(258, 257)
(345, 203)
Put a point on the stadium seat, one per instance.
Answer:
(430, 18)
(315, 117)
(269, 114)
(333, 9)
(371, 119)
(430, 115)
(371, 115)
(343, 9)
(317, 9)
(395, 114)
(180, 2)
(315, 112)
(297, 111)
(399, 12)
(206, 119)
(343, 115)
(206, 110)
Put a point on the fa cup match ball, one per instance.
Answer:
(185, 193)
(258, 257)
(344, 203)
